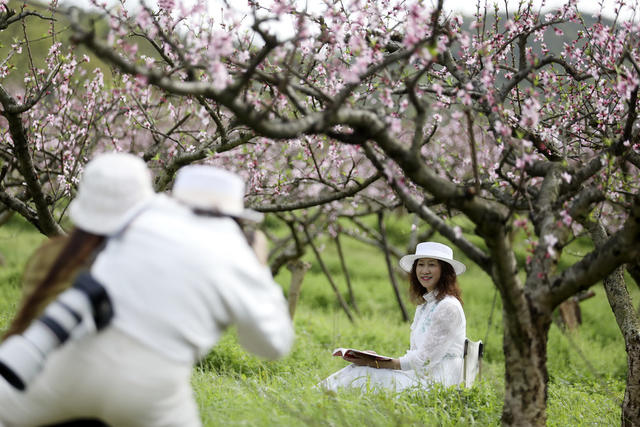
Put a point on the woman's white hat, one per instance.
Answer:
(213, 189)
(432, 250)
(114, 187)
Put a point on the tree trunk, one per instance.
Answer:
(298, 269)
(325, 270)
(392, 278)
(5, 216)
(620, 303)
(570, 312)
(570, 316)
(347, 278)
(526, 376)
(629, 324)
(631, 403)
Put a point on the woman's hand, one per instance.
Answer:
(373, 363)
(356, 360)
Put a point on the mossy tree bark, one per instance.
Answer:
(629, 324)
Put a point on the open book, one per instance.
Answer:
(353, 353)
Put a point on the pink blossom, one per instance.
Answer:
(566, 218)
(520, 222)
(501, 128)
(359, 67)
(550, 240)
(141, 80)
(219, 75)
(510, 25)
(522, 162)
(464, 97)
(143, 19)
(530, 113)
(395, 125)
(626, 84)
(166, 5)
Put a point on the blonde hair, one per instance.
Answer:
(76, 253)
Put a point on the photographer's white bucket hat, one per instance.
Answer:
(214, 190)
(114, 187)
(432, 250)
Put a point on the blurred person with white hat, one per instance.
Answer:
(437, 334)
(211, 191)
(178, 275)
(113, 189)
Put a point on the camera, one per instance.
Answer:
(80, 310)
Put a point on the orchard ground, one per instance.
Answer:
(586, 368)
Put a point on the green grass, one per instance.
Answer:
(17, 240)
(586, 369)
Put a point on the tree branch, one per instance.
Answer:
(22, 208)
(430, 217)
(47, 223)
(321, 200)
(620, 248)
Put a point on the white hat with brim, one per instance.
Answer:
(113, 189)
(432, 250)
(212, 189)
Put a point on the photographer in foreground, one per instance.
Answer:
(177, 276)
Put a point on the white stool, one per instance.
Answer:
(472, 366)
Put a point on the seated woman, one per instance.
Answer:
(437, 333)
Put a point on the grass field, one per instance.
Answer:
(586, 369)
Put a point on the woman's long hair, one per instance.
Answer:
(75, 254)
(447, 285)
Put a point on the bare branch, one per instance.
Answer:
(321, 200)
(620, 248)
(22, 208)
(11, 18)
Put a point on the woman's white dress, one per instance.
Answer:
(438, 332)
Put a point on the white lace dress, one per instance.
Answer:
(438, 332)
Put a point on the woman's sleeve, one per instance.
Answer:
(445, 322)
(257, 307)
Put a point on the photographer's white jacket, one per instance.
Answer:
(177, 280)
